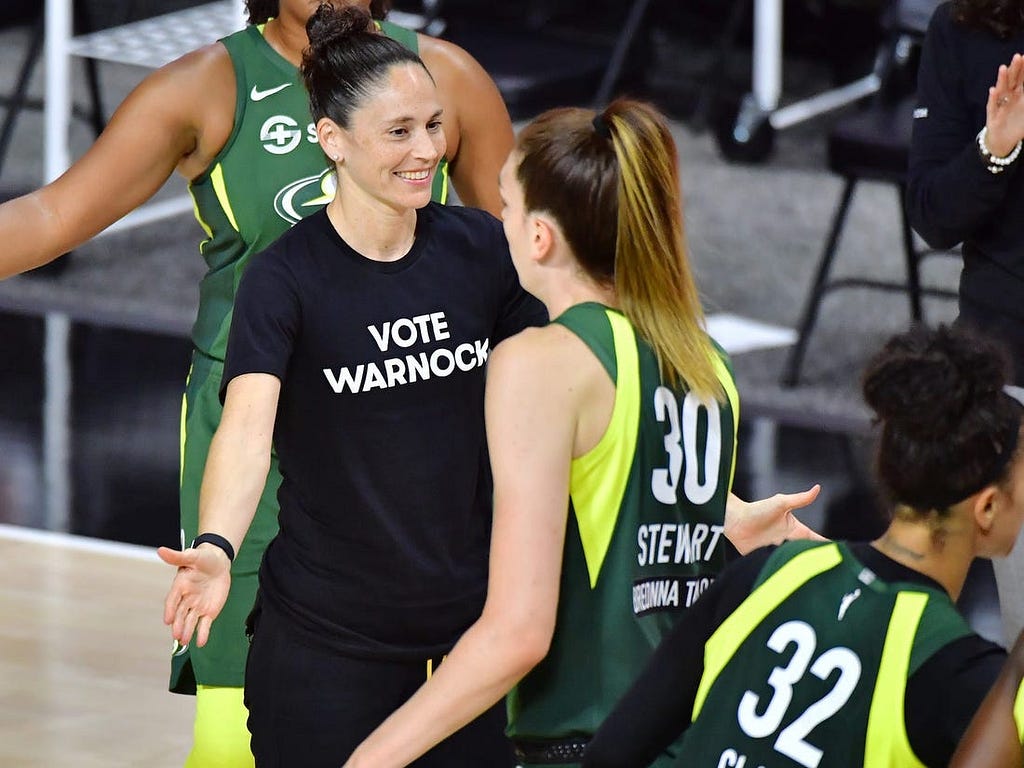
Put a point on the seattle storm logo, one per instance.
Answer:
(305, 196)
(280, 134)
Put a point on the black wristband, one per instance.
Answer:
(217, 541)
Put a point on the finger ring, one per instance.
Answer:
(1003, 100)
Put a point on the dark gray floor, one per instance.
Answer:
(754, 232)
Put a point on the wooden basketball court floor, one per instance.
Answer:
(84, 655)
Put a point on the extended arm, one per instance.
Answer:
(173, 119)
(483, 130)
(993, 739)
(236, 471)
(530, 436)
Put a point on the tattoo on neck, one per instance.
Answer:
(897, 548)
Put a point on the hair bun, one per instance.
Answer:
(330, 26)
(923, 383)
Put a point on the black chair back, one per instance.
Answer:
(914, 15)
(906, 22)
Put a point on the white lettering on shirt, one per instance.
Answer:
(403, 333)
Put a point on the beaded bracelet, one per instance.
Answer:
(994, 164)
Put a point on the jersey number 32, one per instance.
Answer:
(759, 720)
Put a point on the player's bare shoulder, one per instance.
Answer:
(458, 75)
(201, 87)
(446, 60)
(202, 75)
(551, 348)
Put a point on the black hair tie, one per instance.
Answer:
(601, 127)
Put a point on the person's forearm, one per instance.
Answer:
(938, 209)
(27, 230)
(235, 475)
(488, 660)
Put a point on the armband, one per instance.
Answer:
(217, 541)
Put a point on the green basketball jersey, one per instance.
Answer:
(811, 669)
(644, 536)
(270, 173)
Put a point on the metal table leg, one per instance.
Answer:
(767, 75)
(56, 368)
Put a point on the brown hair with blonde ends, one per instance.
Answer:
(611, 181)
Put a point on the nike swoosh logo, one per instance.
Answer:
(257, 95)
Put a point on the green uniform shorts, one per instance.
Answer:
(221, 662)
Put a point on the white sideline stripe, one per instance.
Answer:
(80, 543)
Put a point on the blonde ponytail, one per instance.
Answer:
(653, 279)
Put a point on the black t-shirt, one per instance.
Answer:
(386, 492)
(941, 696)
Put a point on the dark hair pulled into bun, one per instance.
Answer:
(923, 384)
(329, 26)
(345, 60)
(261, 11)
(948, 429)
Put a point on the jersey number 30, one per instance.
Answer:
(681, 443)
(791, 739)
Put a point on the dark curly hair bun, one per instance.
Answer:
(923, 383)
(329, 27)
(345, 60)
(948, 429)
(261, 11)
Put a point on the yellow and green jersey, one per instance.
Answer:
(811, 669)
(270, 174)
(645, 533)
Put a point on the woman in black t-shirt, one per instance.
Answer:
(358, 347)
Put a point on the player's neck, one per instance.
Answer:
(557, 301)
(560, 282)
(287, 36)
(376, 232)
(941, 554)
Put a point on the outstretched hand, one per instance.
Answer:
(198, 592)
(753, 524)
(1004, 111)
